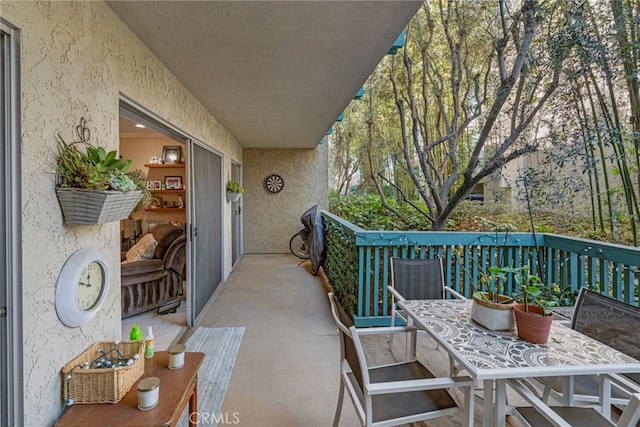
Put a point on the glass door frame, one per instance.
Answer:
(11, 337)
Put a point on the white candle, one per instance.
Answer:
(176, 356)
(148, 393)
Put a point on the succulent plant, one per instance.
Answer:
(95, 169)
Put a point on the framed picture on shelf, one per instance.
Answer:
(171, 155)
(154, 185)
(173, 182)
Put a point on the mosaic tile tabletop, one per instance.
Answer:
(501, 354)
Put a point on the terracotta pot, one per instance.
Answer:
(532, 326)
(493, 316)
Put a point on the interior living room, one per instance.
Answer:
(163, 161)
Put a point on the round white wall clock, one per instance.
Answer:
(274, 183)
(82, 286)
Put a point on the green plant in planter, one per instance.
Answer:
(490, 281)
(532, 290)
(95, 169)
(234, 186)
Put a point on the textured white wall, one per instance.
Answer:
(271, 219)
(75, 60)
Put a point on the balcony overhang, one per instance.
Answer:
(276, 74)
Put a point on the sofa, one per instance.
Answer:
(152, 271)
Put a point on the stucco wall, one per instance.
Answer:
(271, 219)
(75, 60)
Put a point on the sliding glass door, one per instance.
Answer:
(11, 343)
(206, 225)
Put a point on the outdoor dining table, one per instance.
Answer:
(496, 357)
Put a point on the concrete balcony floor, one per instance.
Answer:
(286, 372)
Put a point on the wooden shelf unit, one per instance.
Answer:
(165, 209)
(168, 191)
(176, 165)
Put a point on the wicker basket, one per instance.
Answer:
(90, 207)
(102, 385)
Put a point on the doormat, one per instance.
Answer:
(220, 346)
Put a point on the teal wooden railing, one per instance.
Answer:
(357, 263)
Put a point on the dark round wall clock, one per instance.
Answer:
(274, 183)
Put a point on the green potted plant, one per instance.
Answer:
(490, 308)
(532, 312)
(93, 185)
(234, 190)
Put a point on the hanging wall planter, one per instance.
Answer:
(89, 207)
(233, 197)
(93, 186)
(234, 190)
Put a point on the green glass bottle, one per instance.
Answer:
(136, 333)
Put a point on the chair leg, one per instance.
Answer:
(391, 335)
(336, 418)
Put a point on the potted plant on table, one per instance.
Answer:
(532, 312)
(93, 185)
(234, 190)
(490, 308)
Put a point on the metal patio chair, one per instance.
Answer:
(415, 279)
(397, 393)
(541, 415)
(613, 323)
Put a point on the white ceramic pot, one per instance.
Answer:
(493, 316)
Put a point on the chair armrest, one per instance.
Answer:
(624, 383)
(538, 404)
(385, 330)
(395, 293)
(454, 293)
(175, 256)
(417, 385)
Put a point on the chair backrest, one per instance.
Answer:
(347, 346)
(609, 321)
(418, 278)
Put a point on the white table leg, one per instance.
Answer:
(500, 405)
(488, 396)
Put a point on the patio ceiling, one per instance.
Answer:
(276, 74)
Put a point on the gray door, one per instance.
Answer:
(11, 343)
(206, 226)
(236, 218)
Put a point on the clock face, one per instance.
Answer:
(90, 285)
(81, 287)
(274, 184)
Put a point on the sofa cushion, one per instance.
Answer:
(141, 267)
(144, 249)
(165, 234)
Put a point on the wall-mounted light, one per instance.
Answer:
(138, 125)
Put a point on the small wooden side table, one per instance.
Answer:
(177, 388)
